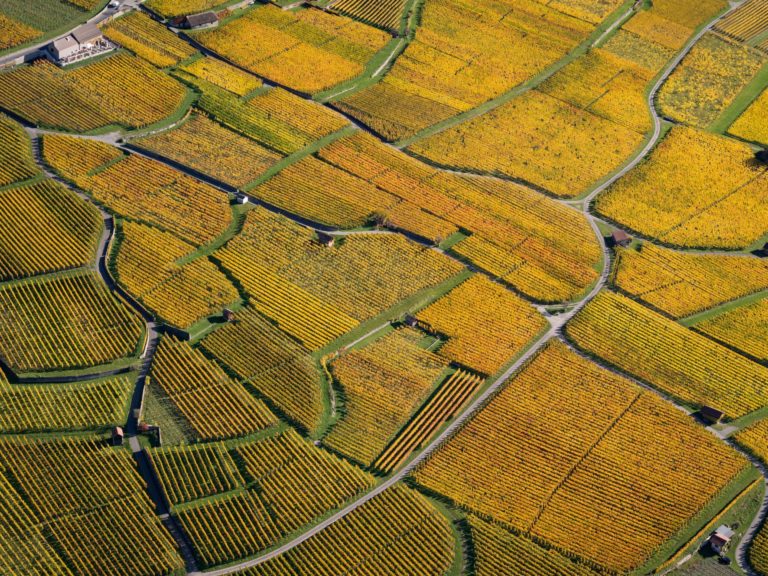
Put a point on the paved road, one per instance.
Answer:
(556, 324)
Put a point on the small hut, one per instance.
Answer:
(621, 238)
(710, 415)
(327, 240)
(118, 436)
(229, 315)
(762, 156)
(202, 20)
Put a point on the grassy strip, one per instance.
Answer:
(299, 155)
(749, 419)
(750, 92)
(701, 520)
(694, 319)
(580, 50)
(416, 301)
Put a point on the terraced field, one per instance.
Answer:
(425, 288)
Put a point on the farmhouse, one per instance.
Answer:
(720, 540)
(84, 42)
(202, 20)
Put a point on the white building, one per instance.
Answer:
(84, 42)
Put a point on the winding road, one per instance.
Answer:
(556, 324)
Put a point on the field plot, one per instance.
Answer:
(385, 14)
(499, 552)
(275, 118)
(120, 89)
(679, 196)
(682, 284)
(223, 75)
(213, 404)
(580, 147)
(669, 356)
(148, 39)
(281, 370)
(747, 22)
(143, 189)
(382, 385)
(76, 158)
(64, 322)
(298, 481)
(307, 50)
(572, 479)
(396, 531)
(16, 161)
(80, 518)
(485, 324)
(146, 267)
(744, 328)
(333, 288)
(171, 8)
(44, 228)
(708, 79)
(290, 482)
(460, 59)
(58, 407)
(753, 123)
(212, 149)
(188, 473)
(451, 395)
(541, 247)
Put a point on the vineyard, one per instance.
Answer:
(383, 288)
(381, 386)
(681, 197)
(682, 283)
(749, 21)
(338, 282)
(305, 50)
(120, 90)
(502, 553)
(670, 357)
(171, 8)
(282, 370)
(573, 482)
(485, 324)
(742, 328)
(223, 75)
(456, 62)
(69, 321)
(708, 80)
(280, 471)
(399, 530)
(141, 189)
(16, 162)
(213, 404)
(45, 228)
(149, 39)
(453, 393)
(213, 150)
(582, 147)
(80, 518)
(753, 123)
(275, 118)
(384, 14)
(146, 266)
(60, 407)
